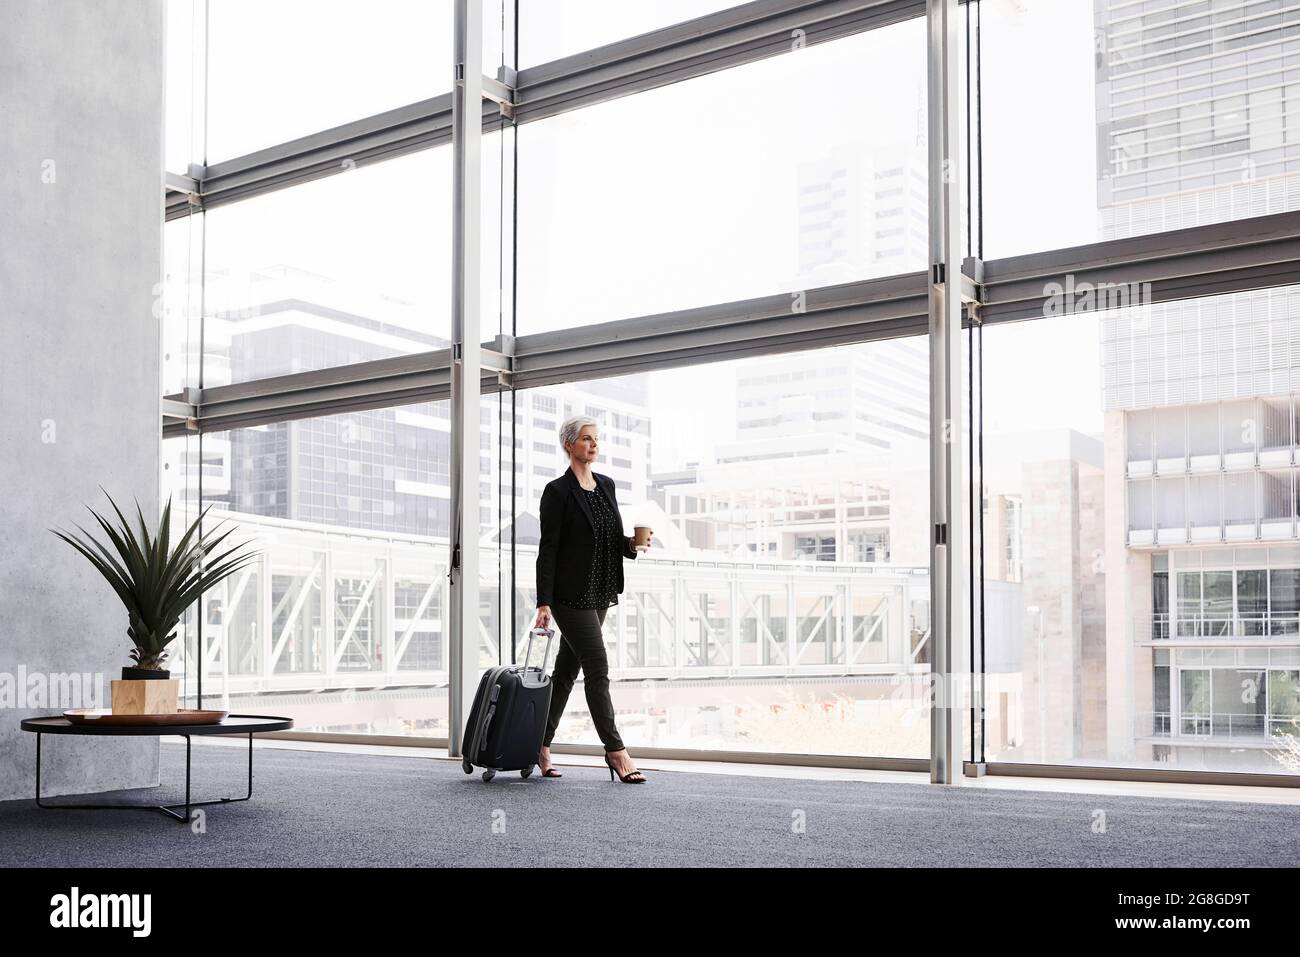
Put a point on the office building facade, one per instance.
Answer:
(1198, 119)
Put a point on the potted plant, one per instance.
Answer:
(156, 582)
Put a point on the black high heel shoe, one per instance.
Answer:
(629, 778)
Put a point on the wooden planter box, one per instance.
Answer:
(145, 697)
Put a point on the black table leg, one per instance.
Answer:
(169, 809)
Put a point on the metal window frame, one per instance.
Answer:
(845, 761)
(1260, 252)
(466, 251)
(393, 133)
(949, 488)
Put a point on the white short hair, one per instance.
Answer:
(571, 428)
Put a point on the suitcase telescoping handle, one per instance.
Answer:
(528, 649)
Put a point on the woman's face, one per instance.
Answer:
(585, 448)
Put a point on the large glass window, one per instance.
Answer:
(1140, 598)
(663, 201)
(351, 515)
(756, 622)
(178, 303)
(278, 71)
(1217, 607)
(1109, 580)
(1252, 601)
(1165, 133)
(1284, 702)
(1195, 703)
(1284, 601)
(1239, 702)
(342, 270)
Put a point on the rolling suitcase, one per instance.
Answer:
(508, 718)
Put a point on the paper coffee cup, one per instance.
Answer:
(641, 536)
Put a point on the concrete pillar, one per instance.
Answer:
(81, 174)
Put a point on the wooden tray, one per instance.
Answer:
(105, 716)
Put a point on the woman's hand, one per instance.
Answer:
(543, 617)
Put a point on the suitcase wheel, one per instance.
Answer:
(468, 768)
(524, 772)
(489, 774)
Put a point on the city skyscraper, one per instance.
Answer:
(1198, 121)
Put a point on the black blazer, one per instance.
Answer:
(568, 541)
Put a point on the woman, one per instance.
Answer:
(579, 575)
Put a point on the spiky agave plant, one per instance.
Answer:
(155, 581)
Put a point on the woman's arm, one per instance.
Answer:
(627, 549)
(551, 514)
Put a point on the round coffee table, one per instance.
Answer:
(249, 724)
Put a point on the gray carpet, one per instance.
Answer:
(329, 809)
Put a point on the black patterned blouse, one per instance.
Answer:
(602, 583)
